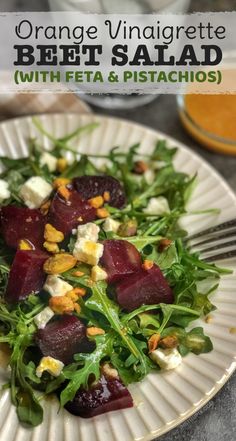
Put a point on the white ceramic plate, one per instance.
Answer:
(162, 401)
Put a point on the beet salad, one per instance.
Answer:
(97, 285)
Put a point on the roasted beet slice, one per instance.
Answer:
(62, 338)
(91, 186)
(26, 275)
(108, 394)
(67, 214)
(145, 287)
(120, 258)
(22, 223)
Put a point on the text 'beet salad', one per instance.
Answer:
(97, 287)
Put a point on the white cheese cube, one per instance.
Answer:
(51, 365)
(43, 317)
(110, 225)
(49, 160)
(56, 286)
(97, 273)
(166, 358)
(149, 176)
(4, 190)
(35, 191)
(87, 251)
(157, 206)
(88, 231)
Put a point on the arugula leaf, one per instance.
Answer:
(17, 171)
(193, 341)
(29, 372)
(163, 153)
(156, 188)
(101, 303)
(167, 257)
(183, 319)
(197, 342)
(171, 312)
(61, 143)
(15, 181)
(148, 320)
(29, 410)
(126, 374)
(80, 167)
(4, 271)
(195, 261)
(140, 242)
(91, 368)
(144, 308)
(202, 303)
(19, 336)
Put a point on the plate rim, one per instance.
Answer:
(182, 146)
(170, 138)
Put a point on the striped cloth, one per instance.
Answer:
(16, 104)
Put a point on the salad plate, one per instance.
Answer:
(164, 398)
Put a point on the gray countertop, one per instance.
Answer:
(216, 421)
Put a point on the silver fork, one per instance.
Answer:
(215, 243)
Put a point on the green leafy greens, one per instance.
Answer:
(125, 340)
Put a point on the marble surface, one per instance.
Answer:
(42, 5)
(216, 421)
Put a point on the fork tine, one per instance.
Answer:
(224, 226)
(215, 237)
(218, 246)
(221, 256)
(218, 249)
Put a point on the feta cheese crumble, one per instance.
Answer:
(166, 358)
(51, 365)
(43, 317)
(49, 160)
(88, 231)
(35, 191)
(98, 273)
(88, 252)
(56, 286)
(4, 190)
(157, 206)
(111, 225)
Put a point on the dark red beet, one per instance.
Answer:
(120, 258)
(91, 186)
(108, 394)
(62, 338)
(22, 223)
(146, 287)
(66, 215)
(26, 275)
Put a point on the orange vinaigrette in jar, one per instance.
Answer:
(210, 118)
